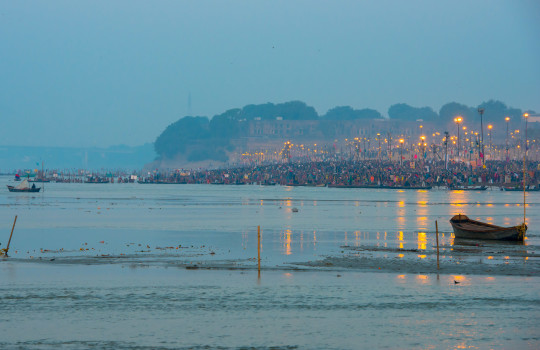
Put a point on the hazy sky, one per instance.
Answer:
(100, 73)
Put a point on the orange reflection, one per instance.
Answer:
(422, 277)
(401, 221)
(422, 240)
(459, 278)
(401, 204)
(400, 255)
(287, 242)
(422, 256)
(401, 277)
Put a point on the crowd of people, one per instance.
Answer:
(369, 173)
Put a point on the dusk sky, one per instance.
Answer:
(101, 73)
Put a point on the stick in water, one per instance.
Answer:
(259, 249)
(11, 235)
(437, 235)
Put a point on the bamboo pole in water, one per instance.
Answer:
(524, 192)
(11, 235)
(437, 235)
(259, 250)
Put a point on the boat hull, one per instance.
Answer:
(13, 189)
(468, 188)
(466, 228)
(520, 189)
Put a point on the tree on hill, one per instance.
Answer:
(453, 109)
(348, 113)
(496, 111)
(226, 125)
(403, 111)
(176, 136)
(294, 110)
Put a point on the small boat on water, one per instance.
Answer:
(24, 186)
(467, 188)
(520, 189)
(471, 229)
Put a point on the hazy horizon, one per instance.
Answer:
(107, 73)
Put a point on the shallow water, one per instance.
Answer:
(103, 266)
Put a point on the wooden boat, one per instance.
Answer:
(472, 229)
(408, 187)
(520, 189)
(23, 187)
(353, 186)
(467, 188)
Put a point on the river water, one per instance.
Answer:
(130, 266)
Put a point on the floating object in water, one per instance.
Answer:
(295, 210)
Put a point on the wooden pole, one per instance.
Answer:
(11, 235)
(524, 193)
(437, 235)
(259, 249)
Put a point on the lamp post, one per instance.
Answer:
(490, 150)
(423, 144)
(379, 153)
(507, 119)
(481, 111)
(446, 150)
(458, 120)
(364, 154)
(401, 141)
(526, 116)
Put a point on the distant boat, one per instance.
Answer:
(39, 180)
(96, 180)
(24, 186)
(467, 188)
(472, 229)
(408, 187)
(520, 189)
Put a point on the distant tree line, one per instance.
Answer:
(201, 138)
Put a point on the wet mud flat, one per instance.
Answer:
(460, 258)
(463, 257)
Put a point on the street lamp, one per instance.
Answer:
(481, 111)
(507, 119)
(458, 120)
(446, 150)
(423, 144)
(401, 141)
(526, 116)
(490, 150)
(379, 154)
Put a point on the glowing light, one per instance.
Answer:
(422, 241)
